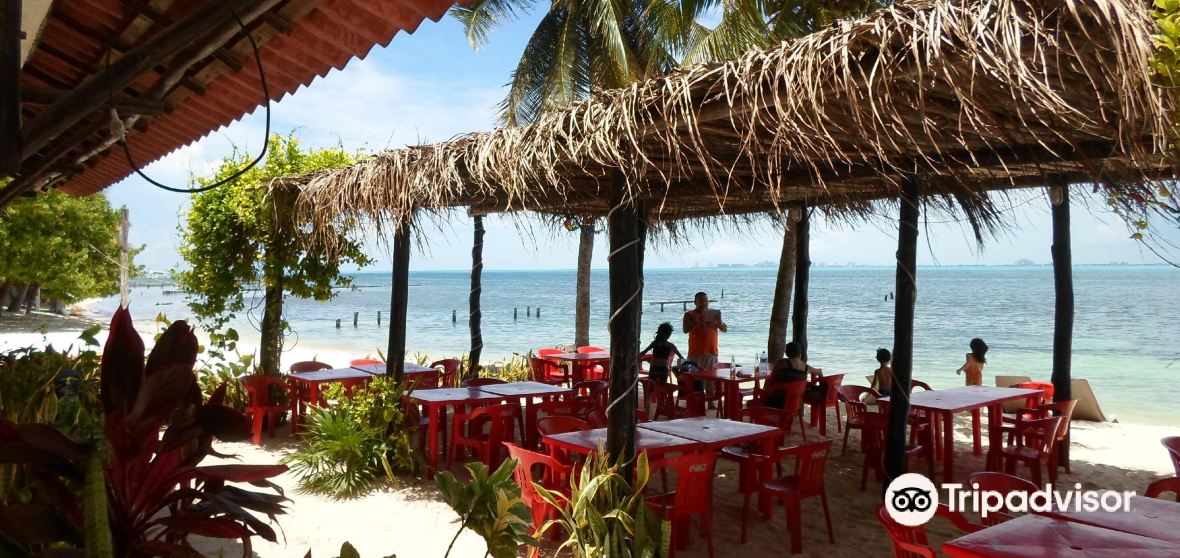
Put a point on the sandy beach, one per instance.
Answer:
(410, 519)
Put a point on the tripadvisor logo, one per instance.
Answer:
(912, 500)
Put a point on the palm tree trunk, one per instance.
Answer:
(1063, 311)
(582, 302)
(802, 278)
(475, 315)
(628, 231)
(780, 309)
(33, 298)
(16, 296)
(903, 330)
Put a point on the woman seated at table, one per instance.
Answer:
(791, 368)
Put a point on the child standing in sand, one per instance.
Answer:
(975, 361)
(661, 350)
(883, 375)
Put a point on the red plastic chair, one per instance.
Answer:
(806, 481)
(1003, 484)
(594, 393)
(1172, 444)
(560, 425)
(852, 418)
(588, 349)
(1062, 409)
(568, 407)
(693, 496)
(259, 406)
(916, 384)
(1163, 486)
(597, 417)
(819, 411)
(874, 430)
(667, 396)
(551, 474)
(792, 400)
(476, 382)
(1034, 442)
(911, 542)
(766, 416)
(450, 371)
(546, 372)
(483, 429)
(309, 366)
(364, 362)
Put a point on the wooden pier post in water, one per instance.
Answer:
(515, 313)
(378, 317)
(337, 323)
(528, 311)
(356, 318)
(454, 316)
(538, 311)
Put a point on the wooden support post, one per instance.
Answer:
(10, 64)
(802, 277)
(780, 308)
(378, 318)
(628, 235)
(395, 355)
(356, 319)
(903, 330)
(1063, 310)
(124, 258)
(475, 317)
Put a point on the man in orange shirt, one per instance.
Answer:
(702, 324)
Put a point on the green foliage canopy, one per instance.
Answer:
(68, 245)
(241, 233)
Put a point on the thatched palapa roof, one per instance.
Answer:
(963, 96)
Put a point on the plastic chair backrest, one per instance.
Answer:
(855, 393)
(855, 410)
(875, 427)
(1036, 400)
(538, 369)
(811, 461)
(915, 384)
(694, 481)
(549, 351)
(765, 416)
(833, 383)
(364, 361)
(476, 382)
(1163, 486)
(309, 366)
(568, 407)
(908, 542)
(558, 424)
(597, 417)
(1064, 410)
(450, 368)
(257, 388)
(536, 467)
(587, 349)
(1038, 435)
(501, 421)
(593, 391)
(792, 394)
(1172, 444)
(1000, 482)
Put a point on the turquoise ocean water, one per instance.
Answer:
(1125, 334)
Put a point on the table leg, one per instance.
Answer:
(432, 439)
(948, 443)
(733, 399)
(975, 432)
(995, 433)
(296, 410)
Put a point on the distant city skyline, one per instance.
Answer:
(431, 86)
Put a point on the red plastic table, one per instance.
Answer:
(381, 369)
(1035, 536)
(588, 441)
(435, 402)
(946, 402)
(1148, 517)
(581, 362)
(729, 387)
(715, 433)
(310, 382)
(528, 392)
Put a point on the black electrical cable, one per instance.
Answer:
(240, 172)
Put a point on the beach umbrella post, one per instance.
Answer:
(395, 355)
(1063, 310)
(802, 278)
(903, 329)
(627, 228)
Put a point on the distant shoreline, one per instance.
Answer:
(816, 266)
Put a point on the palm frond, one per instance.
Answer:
(481, 16)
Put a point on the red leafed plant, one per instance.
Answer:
(157, 431)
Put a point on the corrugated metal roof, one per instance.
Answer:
(324, 35)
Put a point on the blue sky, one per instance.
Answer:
(431, 85)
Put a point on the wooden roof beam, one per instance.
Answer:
(158, 17)
(196, 28)
(122, 103)
(10, 63)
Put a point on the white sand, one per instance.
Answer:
(411, 520)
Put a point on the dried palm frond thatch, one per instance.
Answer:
(963, 96)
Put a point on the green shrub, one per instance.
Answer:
(489, 505)
(355, 442)
(515, 370)
(606, 515)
